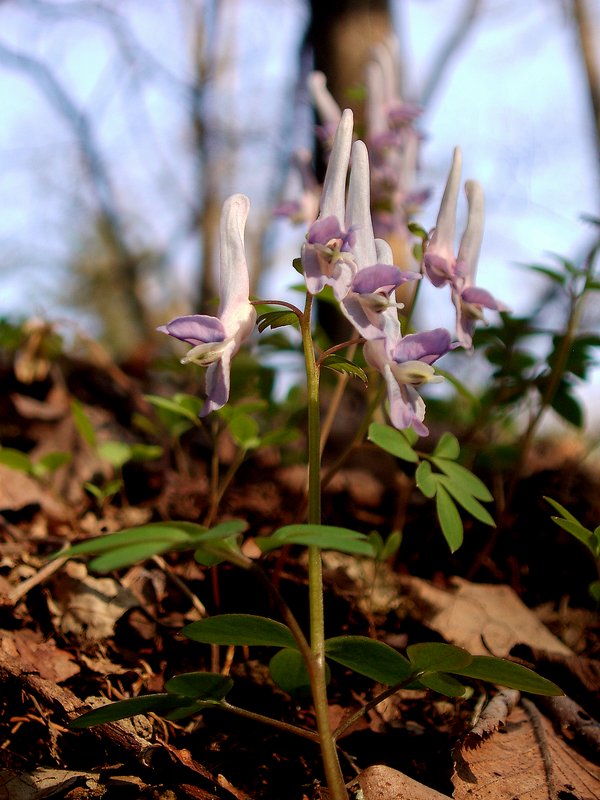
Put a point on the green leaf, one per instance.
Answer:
(15, 459)
(83, 424)
(371, 658)
(444, 684)
(418, 230)
(509, 674)
(561, 510)
(289, 672)
(594, 590)
(297, 265)
(198, 533)
(243, 629)
(50, 462)
(145, 452)
(200, 685)
(578, 531)
(437, 657)
(447, 447)
(461, 475)
(392, 545)
(426, 480)
(392, 441)
(344, 365)
(173, 406)
(128, 555)
(213, 553)
(157, 532)
(449, 518)
(279, 437)
(548, 272)
(244, 430)
(568, 407)
(276, 319)
(327, 537)
(467, 501)
(158, 703)
(116, 453)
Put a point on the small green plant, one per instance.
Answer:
(342, 257)
(115, 453)
(590, 539)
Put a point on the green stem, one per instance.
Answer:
(350, 721)
(316, 665)
(274, 723)
(220, 489)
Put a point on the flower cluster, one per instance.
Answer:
(443, 268)
(341, 251)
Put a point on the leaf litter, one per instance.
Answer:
(68, 637)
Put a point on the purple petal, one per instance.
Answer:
(218, 383)
(324, 230)
(380, 277)
(407, 407)
(481, 297)
(426, 346)
(195, 329)
(438, 269)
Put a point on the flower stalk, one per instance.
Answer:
(316, 666)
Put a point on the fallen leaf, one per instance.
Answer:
(482, 618)
(37, 655)
(18, 490)
(42, 783)
(526, 759)
(493, 717)
(384, 783)
(85, 605)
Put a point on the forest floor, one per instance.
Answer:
(69, 636)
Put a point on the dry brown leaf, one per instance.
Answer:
(526, 760)
(493, 717)
(39, 656)
(42, 783)
(482, 618)
(85, 605)
(384, 783)
(18, 490)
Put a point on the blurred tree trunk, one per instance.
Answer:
(341, 35)
(589, 38)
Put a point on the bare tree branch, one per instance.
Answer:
(110, 221)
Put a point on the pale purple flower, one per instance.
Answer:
(328, 110)
(441, 266)
(215, 340)
(325, 257)
(468, 299)
(393, 146)
(369, 303)
(406, 363)
(439, 259)
(303, 210)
